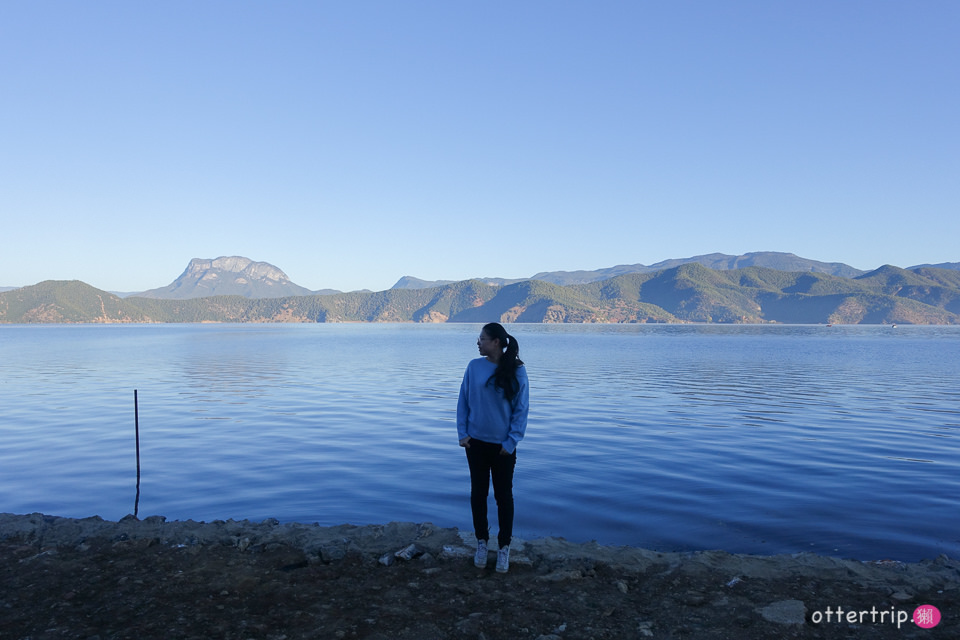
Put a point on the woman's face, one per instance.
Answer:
(488, 346)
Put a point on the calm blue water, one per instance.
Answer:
(776, 439)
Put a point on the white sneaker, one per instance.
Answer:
(503, 560)
(480, 559)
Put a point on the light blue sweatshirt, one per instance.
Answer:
(483, 413)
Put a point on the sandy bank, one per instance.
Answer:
(210, 579)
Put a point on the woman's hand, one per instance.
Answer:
(465, 443)
(504, 452)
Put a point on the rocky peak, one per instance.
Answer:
(229, 275)
(199, 267)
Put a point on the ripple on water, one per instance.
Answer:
(751, 439)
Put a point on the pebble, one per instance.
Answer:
(450, 552)
(785, 612)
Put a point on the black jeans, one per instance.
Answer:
(485, 462)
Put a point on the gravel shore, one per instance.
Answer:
(96, 579)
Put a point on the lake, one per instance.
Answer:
(840, 440)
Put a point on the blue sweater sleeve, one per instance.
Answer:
(463, 409)
(518, 413)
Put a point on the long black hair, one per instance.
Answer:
(505, 377)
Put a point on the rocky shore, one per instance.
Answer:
(95, 579)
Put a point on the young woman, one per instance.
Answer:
(491, 420)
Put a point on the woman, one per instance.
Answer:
(491, 420)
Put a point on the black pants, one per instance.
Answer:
(486, 462)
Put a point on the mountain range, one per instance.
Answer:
(239, 276)
(689, 291)
(716, 261)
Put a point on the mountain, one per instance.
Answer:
(57, 301)
(942, 265)
(409, 282)
(768, 259)
(229, 275)
(689, 292)
(715, 261)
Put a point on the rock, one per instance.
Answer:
(518, 560)
(785, 612)
(450, 552)
(408, 553)
(470, 625)
(332, 553)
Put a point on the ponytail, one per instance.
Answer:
(505, 377)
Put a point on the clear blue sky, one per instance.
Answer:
(351, 143)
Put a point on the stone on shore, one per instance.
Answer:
(89, 577)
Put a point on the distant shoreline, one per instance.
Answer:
(690, 292)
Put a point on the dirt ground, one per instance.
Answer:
(66, 578)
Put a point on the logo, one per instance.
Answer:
(926, 616)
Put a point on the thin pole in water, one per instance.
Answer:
(136, 426)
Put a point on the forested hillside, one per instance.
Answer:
(688, 293)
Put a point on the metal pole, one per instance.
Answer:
(136, 426)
